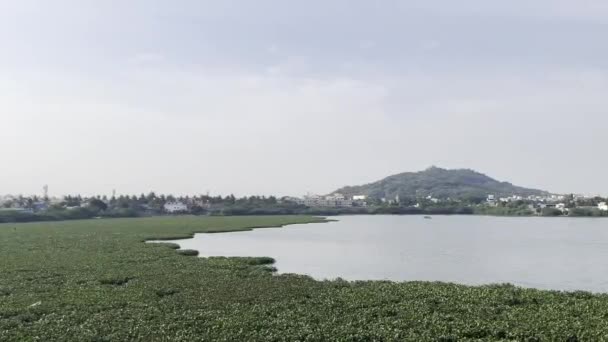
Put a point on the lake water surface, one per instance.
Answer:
(546, 253)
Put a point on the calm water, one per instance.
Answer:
(547, 253)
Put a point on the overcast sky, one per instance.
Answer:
(285, 97)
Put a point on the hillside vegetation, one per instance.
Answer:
(440, 183)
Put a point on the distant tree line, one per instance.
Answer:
(28, 209)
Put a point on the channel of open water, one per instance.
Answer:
(545, 253)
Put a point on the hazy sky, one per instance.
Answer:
(285, 97)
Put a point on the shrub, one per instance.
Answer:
(166, 292)
(168, 245)
(551, 212)
(261, 261)
(188, 252)
(115, 281)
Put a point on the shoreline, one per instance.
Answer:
(312, 213)
(269, 262)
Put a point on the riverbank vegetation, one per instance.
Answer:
(228, 206)
(96, 280)
(33, 209)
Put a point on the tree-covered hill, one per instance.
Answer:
(440, 183)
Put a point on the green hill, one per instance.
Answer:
(440, 183)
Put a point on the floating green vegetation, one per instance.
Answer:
(117, 281)
(5, 292)
(166, 292)
(170, 245)
(96, 281)
(188, 252)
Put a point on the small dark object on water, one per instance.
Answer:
(428, 217)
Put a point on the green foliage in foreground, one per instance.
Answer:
(97, 281)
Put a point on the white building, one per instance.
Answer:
(175, 207)
(335, 197)
(311, 200)
(359, 198)
(513, 198)
(491, 200)
(433, 199)
(603, 206)
(336, 200)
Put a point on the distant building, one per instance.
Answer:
(603, 206)
(175, 207)
(492, 200)
(360, 201)
(331, 201)
(513, 198)
(205, 204)
(55, 200)
(41, 206)
(310, 200)
(337, 197)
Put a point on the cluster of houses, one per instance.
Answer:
(535, 203)
(26, 205)
(180, 207)
(331, 201)
(336, 200)
(175, 207)
(543, 202)
(397, 200)
(493, 200)
(32, 205)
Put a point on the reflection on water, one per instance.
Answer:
(548, 253)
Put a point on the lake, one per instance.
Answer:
(545, 253)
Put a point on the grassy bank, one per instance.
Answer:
(95, 280)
